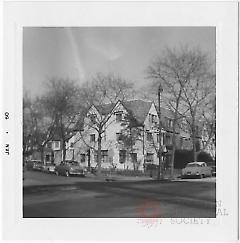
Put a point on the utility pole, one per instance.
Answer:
(160, 172)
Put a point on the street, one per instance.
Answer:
(47, 195)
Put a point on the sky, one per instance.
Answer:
(79, 53)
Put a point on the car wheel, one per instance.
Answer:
(67, 173)
(57, 173)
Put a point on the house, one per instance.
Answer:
(113, 121)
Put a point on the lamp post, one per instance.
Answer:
(160, 172)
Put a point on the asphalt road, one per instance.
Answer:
(50, 196)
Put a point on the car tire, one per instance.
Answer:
(67, 173)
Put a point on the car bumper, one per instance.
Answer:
(190, 175)
(76, 173)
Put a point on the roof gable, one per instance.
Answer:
(138, 109)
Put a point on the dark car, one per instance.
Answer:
(38, 165)
(29, 164)
(49, 167)
(69, 167)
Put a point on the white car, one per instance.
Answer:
(196, 169)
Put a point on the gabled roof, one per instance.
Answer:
(138, 108)
(105, 109)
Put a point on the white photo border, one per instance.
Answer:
(222, 15)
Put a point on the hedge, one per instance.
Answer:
(182, 157)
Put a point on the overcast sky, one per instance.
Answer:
(79, 53)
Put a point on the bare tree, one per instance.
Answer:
(101, 94)
(180, 72)
(38, 126)
(197, 93)
(131, 133)
(61, 100)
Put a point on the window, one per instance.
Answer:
(56, 145)
(170, 123)
(83, 158)
(168, 139)
(149, 158)
(119, 116)
(104, 154)
(92, 138)
(92, 117)
(47, 157)
(49, 145)
(122, 156)
(152, 118)
(149, 136)
(134, 157)
(118, 136)
(71, 145)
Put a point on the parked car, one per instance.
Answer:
(49, 167)
(213, 167)
(196, 169)
(30, 163)
(69, 167)
(38, 165)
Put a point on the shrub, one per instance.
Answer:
(205, 157)
(182, 157)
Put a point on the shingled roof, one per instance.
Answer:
(138, 108)
(105, 109)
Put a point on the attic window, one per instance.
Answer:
(119, 116)
(92, 117)
(152, 118)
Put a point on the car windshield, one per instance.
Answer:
(75, 163)
(193, 165)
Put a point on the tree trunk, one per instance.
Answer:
(194, 147)
(42, 153)
(63, 150)
(99, 154)
(173, 155)
(173, 144)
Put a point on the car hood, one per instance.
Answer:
(75, 167)
(192, 169)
